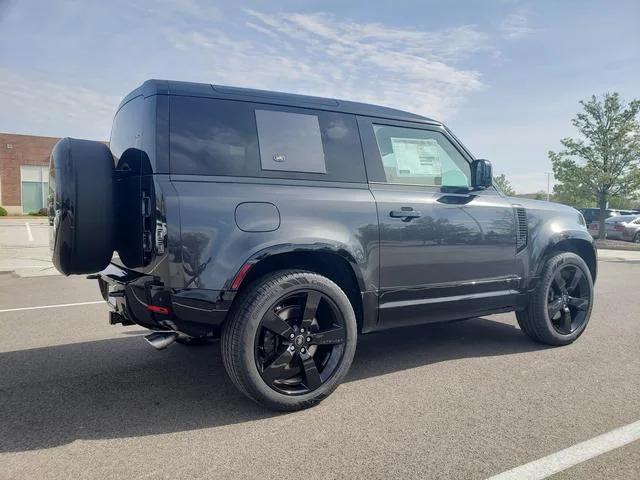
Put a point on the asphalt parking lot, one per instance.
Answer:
(82, 399)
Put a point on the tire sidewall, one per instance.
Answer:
(292, 282)
(552, 266)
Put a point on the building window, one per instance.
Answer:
(35, 187)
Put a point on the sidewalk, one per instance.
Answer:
(619, 255)
(24, 246)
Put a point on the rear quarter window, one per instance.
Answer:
(126, 131)
(245, 139)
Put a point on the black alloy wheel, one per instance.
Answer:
(559, 307)
(568, 299)
(290, 339)
(300, 342)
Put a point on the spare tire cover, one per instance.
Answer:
(81, 202)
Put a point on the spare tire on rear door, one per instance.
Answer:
(81, 203)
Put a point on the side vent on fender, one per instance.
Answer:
(522, 230)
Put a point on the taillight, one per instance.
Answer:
(158, 309)
(594, 226)
(619, 227)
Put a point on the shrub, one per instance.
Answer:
(3, 212)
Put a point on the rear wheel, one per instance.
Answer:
(636, 238)
(560, 307)
(291, 339)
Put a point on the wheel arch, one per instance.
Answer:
(337, 265)
(580, 246)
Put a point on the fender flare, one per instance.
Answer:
(567, 235)
(284, 248)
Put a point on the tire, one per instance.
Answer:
(565, 288)
(636, 238)
(282, 300)
(81, 205)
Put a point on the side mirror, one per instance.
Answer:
(481, 174)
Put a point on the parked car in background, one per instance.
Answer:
(615, 226)
(591, 214)
(631, 231)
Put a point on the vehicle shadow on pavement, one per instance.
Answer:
(120, 388)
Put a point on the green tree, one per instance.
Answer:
(504, 185)
(540, 195)
(565, 193)
(603, 162)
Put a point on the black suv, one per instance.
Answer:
(289, 224)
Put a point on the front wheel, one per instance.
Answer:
(290, 339)
(560, 307)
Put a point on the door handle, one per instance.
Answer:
(405, 214)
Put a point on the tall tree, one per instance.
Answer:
(504, 185)
(604, 161)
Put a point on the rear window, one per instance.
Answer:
(234, 138)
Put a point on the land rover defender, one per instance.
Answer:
(288, 225)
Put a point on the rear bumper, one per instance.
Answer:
(146, 301)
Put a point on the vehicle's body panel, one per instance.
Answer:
(337, 218)
(450, 250)
(548, 225)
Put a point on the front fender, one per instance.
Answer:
(555, 227)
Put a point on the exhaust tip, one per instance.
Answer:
(161, 340)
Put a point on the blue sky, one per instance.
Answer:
(506, 76)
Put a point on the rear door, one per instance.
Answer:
(442, 255)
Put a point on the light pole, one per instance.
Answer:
(549, 185)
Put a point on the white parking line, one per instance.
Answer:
(29, 234)
(581, 452)
(50, 306)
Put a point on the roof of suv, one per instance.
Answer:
(170, 87)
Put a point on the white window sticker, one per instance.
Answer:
(416, 157)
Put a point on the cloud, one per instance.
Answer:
(322, 55)
(32, 104)
(515, 26)
(4, 7)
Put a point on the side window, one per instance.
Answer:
(290, 141)
(420, 157)
(213, 137)
(243, 139)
